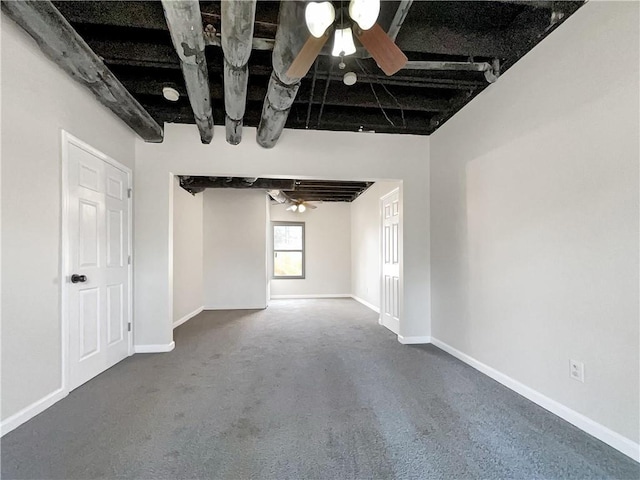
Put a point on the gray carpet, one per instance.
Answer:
(307, 389)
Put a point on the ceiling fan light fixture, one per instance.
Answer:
(319, 16)
(343, 43)
(301, 208)
(364, 12)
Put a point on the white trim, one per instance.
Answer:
(27, 413)
(599, 431)
(392, 324)
(366, 304)
(188, 316)
(167, 347)
(234, 307)
(312, 295)
(413, 340)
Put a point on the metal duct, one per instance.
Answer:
(291, 36)
(278, 196)
(237, 19)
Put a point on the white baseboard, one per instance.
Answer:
(366, 304)
(392, 325)
(608, 436)
(413, 340)
(234, 307)
(31, 411)
(163, 348)
(312, 295)
(188, 316)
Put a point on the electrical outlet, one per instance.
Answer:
(576, 370)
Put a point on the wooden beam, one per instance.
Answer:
(291, 36)
(62, 44)
(237, 21)
(185, 25)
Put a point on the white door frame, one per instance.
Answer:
(68, 139)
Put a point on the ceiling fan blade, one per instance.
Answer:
(307, 55)
(311, 206)
(385, 52)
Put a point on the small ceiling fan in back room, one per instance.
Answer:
(300, 206)
(359, 19)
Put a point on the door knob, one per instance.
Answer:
(78, 278)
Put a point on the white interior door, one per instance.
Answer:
(98, 274)
(390, 290)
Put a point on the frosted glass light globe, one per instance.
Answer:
(343, 43)
(319, 16)
(364, 12)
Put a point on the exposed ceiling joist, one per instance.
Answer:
(465, 37)
(185, 25)
(282, 190)
(282, 90)
(60, 42)
(237, 182)
(237, 17)
(398, 19)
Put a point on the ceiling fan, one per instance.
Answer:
(300, 206)
(360, 19)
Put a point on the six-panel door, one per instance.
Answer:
(98, 232)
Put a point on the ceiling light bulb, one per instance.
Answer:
(343, 43)
(294, 208)
(364, 12)
(170, 94)
(319, 16)
(350, 78)
(301, 208)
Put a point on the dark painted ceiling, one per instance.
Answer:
(133, 40)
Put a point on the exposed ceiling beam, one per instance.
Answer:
(236, 182)
(338, 95)
(291, 36)
(61, 43)
(185, 25)
(347, 119)
(410, 81)
(237, 20)
(398, 19)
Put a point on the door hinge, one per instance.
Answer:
(129, 327)
(129, 193)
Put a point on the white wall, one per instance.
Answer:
(187, 252)
(535, 207)
(327, 250)
(299, 154)
(235, 249)
(38, 101)
(365, 242)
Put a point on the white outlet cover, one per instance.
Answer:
(576, 370)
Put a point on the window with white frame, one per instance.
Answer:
(288, 249)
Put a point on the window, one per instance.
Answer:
(288, 249)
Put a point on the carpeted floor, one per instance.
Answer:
(307, 389)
